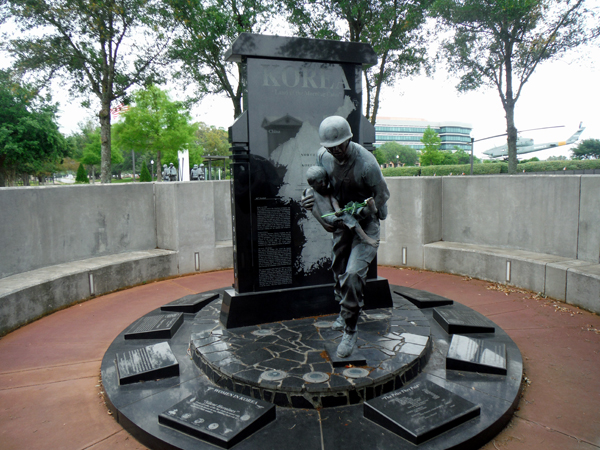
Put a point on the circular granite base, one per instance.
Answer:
(318, 405)
(287, 362)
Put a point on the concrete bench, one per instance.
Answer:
(27, 296)
(575, 281)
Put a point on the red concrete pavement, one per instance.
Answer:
(49, 370)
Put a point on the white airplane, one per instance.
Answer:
(526, 145)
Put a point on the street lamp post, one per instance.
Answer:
(152, 169)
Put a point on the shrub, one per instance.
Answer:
(81, 175)
(401, 171)
(145, 174)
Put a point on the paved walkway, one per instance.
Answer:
(49, 370)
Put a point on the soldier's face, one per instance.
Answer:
(339, 151)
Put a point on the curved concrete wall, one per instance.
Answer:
(43, 226)
(49, 225)
(555, 215)
(537, 232)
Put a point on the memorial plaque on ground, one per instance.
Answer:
(476, 355)
(190, 304)
(462, 321)
(420, 411)
(146, 363)
(218, 416)
(422, 299)
(157, 326)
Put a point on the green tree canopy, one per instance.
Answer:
(431, 155)
(587, 149)
(392, 152)
(213, 141)
(156, 125)
(501, 43)
(81, 175)
(206, 29)
(102, 47)
(30, 142)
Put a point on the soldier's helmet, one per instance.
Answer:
(333, 131)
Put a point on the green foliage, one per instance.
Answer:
(392, 152)
(213, 141)
(207, 29)
(81, 175)
(478, 169)
(92, 149)
(500, 44)
(587, 149)
(156, 125)
(489, 169)
(401, 171)
(145, 174)
(101, 47)
(545, 166)
(431, 155)
(534, 159)
(30, 142)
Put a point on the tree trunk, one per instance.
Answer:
(25, 177)
(378, 83)
(509, 108)
(104, 115)
(511, 139)
(93, 177)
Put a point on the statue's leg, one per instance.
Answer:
(353, 280)
(342, 246)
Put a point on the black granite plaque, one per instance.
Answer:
(357, 358)
(190, 304)
(462, 321)
(156, 326)
(146, 363)
(218, 416)
(476, 355)
(420, 411)
(422, 299)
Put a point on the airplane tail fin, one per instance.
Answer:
(575, 137)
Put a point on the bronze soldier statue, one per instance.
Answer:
(354, 176)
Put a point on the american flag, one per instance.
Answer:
(120, 108)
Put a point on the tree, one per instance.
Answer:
(392, 27)
(92, 151)
(81, 175)
(207, 28)
(587, 149)
(213, 141)
(431, 155)
(395, 153)
(145, 174)
(501, 43)
(30, 142)
(102, 47)
(155, 125)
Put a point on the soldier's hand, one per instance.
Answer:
(308, 199)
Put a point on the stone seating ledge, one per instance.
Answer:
(573, 281)
(28, 296)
